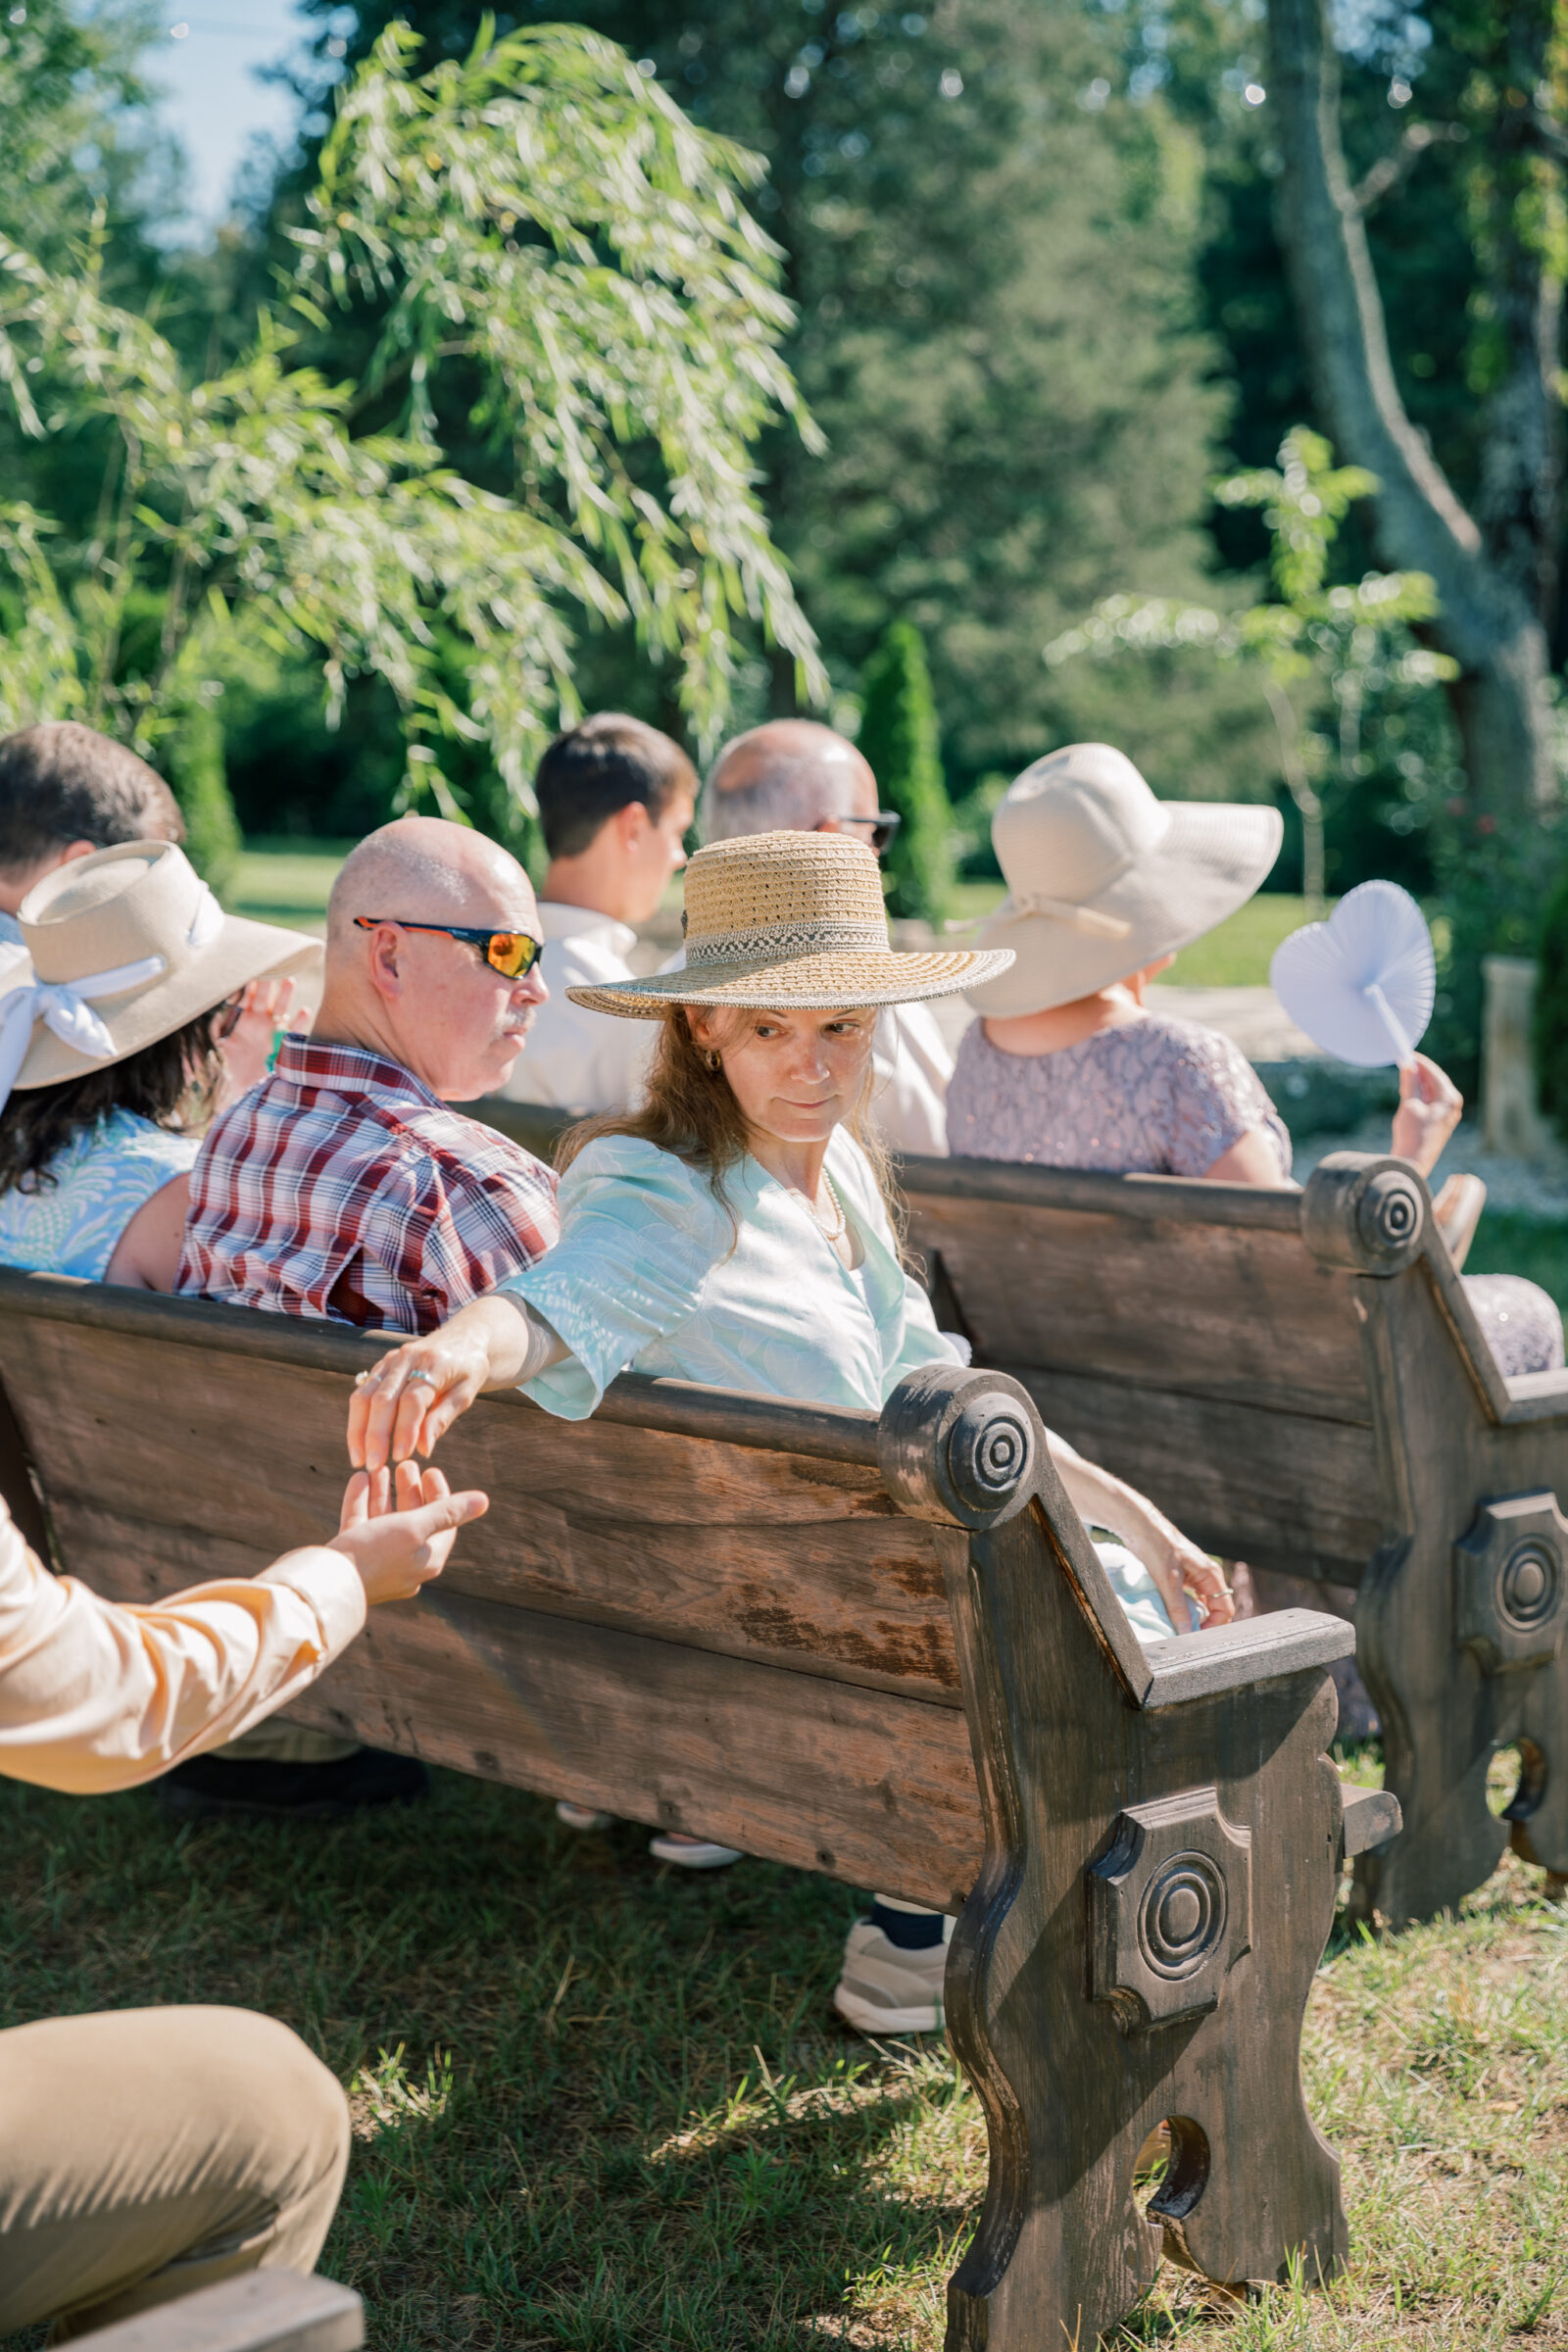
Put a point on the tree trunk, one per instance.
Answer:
(1503, 721)
(1492, 585)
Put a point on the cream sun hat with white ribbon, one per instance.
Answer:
(1103, 878)
(780, 921)
(122, 947)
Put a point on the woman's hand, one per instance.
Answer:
(1429, 1109)
(407, 1400)
(398, 1528)
(410, 1399)
(1195, 1575)
(266, 1008)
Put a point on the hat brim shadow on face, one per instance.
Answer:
(837, 980)
(243, 951)
(1213, 858)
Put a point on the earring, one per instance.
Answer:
(714, 1060)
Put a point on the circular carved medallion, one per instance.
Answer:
(1182, 1917)
(1529, 1584)
(991, 1452)
(1389, 1219)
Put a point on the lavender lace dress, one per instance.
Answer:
(1159, 1097)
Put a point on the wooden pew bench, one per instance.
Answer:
(879, 1647)
(1299, 1380)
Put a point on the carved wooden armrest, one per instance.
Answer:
(1371, 1817)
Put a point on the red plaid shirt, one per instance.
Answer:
(342, 1187)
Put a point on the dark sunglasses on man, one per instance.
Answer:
(884, 825)
(512, 954)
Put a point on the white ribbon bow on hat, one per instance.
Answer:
(66, 1006)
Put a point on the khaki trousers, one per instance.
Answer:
(147, 2152)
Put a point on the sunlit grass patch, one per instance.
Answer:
(599, 2105)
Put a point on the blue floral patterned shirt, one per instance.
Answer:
(72, 1223)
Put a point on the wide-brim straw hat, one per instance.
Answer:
(122, 947)
(780, 921)
(1103, 878)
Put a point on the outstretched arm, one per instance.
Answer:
(95, 1695)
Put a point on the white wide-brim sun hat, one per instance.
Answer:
(780, 921)
(122, 947)
(1103, 878)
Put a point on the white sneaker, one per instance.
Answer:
(887, 1991)
(583, 1817)
(691, 1853)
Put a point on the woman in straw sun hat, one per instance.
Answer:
(736, 1231)
(135, 1003)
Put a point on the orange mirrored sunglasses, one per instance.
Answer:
(512, 954)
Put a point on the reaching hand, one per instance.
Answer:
(265, 1008)
(1429, 1109)
(398, 1528)
(409, 1400)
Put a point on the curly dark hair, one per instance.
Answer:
(172, 1082)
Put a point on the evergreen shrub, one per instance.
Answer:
(193, 762)
(899, 736)
(1551, 1008)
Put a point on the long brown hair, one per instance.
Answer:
(691, 1112)
(172, 1082)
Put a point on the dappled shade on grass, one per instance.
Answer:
(600, 2106)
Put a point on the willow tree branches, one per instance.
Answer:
(536, 215)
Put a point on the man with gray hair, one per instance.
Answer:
(794, 775)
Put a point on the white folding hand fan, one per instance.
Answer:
(1362, 984)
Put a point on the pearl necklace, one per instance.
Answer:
(832, 1235)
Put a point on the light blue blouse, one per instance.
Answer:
(652, 1272)
(101, 1179)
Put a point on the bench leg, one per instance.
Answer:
(1066, 1999)
(1465, 1652)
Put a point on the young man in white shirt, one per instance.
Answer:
(795, 776)
(615, 799)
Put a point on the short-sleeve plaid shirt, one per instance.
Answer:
(342, 1187)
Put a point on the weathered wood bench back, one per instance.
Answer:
(1172, 1330)
(881, 1649)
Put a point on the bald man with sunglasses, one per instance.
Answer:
(345, 1186)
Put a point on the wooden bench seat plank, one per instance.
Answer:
(1220, 1300)
(264, 2311)
(859, 1785)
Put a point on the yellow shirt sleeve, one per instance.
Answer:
(97, 1696)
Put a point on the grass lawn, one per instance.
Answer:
(607, 2108)
(287, 881)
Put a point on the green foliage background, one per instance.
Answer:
(899, 736)
(1038, 311)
